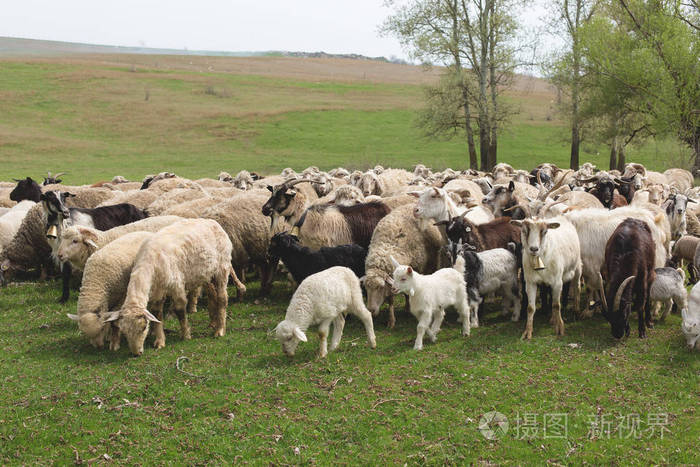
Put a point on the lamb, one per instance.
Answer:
(302, 262)
(487, 272)
(691, 319)
(398, 235)
(175, 263)
(12, 220)
(104, 286)
(429, 295)
(669, 288)
(324, 298)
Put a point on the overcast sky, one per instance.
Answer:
(334, 26)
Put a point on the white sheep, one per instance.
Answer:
(321, 299)
(429, 295)
(105, 281)
(669, 288)
(691, 318)
(11, 221)
(181, 258)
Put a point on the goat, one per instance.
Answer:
(668, 288)
(675, 207)
(58, 216)
(551, 256)
(629, 257)
(495, 234)
(286, 203)
(302, 262)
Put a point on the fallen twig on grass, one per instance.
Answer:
(178, 367)
(384, 401)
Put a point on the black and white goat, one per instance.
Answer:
(58, 216)
(302, 261)
(487, 272)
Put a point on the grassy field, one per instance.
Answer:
(238, 399)
(98, 118)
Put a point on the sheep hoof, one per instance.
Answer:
(527, 335)
(158, 344)
(62, 300)
(220, 333)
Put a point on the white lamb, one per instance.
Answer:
(324, 298)
(668, 288)
(429, 295)
(691, 318)
(179, 259)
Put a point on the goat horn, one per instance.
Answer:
(620, 290)
(59, 174)
(602, 292)
(558, 184)
(587, 180)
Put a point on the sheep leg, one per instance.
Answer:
(240, 286)
(531, 300)
(392, 318)
(366, 317)
(180, 304)
(323, 329)
(512, 293)
(114, 337)
(267, 272)
(666, 308)
(66, 271)
(474, 312)
(556, 308)
(158, 331)
(432, 332)
(192, 299)
(218, 301)
(338, 325)
(692, 273)
(423, 323)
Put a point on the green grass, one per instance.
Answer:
(64, 400)
(94, 121)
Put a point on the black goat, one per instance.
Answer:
(302, 262)
(26, 189)
(103, 218)
(629, 258)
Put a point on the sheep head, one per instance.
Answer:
(370, 184)
(76, 245)
(289, 334)
(134, 323)
(26, 189)
(93, 327)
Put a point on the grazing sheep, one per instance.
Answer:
(399, 235)
(429, 295)
(302, 262)
(321, 299)
(669, 288)
(691, 318)
(175, 263)
(105, 280)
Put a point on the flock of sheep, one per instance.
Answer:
(444, 239)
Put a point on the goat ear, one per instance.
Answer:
(691, 200)
(553, 225)
(73, 317)
(150, 317)
(516, 223)
(299, 334)
(269, 187)
(111, 316)
(409, 270)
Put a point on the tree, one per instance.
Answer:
(567, 71)
(474, 39)
(650, 51)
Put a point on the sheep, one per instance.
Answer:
(502, 170)
(79, 242)
(149, 179)
(139, 198)
(174, 263)
(12, 220)
(487, 272)
(692, 224)
(399, 235)
(249, 231)
(302, 262)
(429, 295)
(551, 256)
(324, 298)
(460, 185)
(28, 248)
(684, 251)
(104, 286)
(386, 183)
(171, 183)
(338, 172)
(654, 194)
(690, 324)
(192, 209)
(435, 204)
(26, 189)
(347, 195)
(243, 180)
(680, 179)
(629, 257)
(173, 198)
(669, 288)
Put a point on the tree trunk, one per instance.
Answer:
(493, 149)
(484, 144)
(575, 143)
(696, 152)
(613, 154)
(621, 158)
(473, 162)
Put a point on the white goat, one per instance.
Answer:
(554, 244)
(429, 295)
(691, 318)
(324, 298)
(668, 288)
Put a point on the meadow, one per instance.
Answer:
(583, 398)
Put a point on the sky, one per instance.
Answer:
(333, 26)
